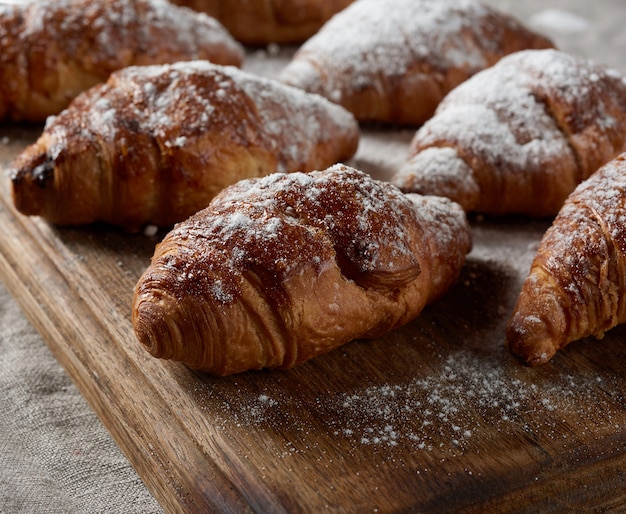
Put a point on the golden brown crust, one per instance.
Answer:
(258, 22)
(519, 137)
(576, 287)
(51, 51)
(155, 143)
(280, 269)
(394, 61)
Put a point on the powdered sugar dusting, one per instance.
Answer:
(332, 217)
(439, 170)
(578, 250)
(468, 394)
(370, 42)
(178, 103)
(577, 271)
(605, 193)
(133, 26)
(603, 196)
(385, 39)
(499, 123)
(458, 403)
(293, 130)
(528, 120)
(191, 28)
(161, 93)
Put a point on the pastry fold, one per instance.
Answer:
(517, 138)
(280, 269)
(576, 286)
(155, 144)
(259, 22)
(52, 51)
(393, 61)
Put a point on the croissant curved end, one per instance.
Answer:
(439, 171)
(530, 341)
(32, 179)
(539, 326)
(154, 329)
(159, 322)
(305, 75)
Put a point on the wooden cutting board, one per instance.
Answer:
(436, 416)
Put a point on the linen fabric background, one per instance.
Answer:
(55, 454)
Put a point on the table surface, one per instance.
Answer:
(56, 454)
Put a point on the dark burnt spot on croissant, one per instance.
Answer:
(130, 124)
(43, 174)
(32, 179)
(38, 172)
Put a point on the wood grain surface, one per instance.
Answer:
(436, 416)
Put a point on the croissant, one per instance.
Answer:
(154, 144)
(52, 51)
(576, 286)
(280, 269)
(256, 22)
(518, 137)
(394, 61)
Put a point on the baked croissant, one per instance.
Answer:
(280, 269)
(154, 144)
(576, 286)
(51, 51)
(257, 22)
(518, 137)
(394, 61)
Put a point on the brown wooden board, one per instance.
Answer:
(434, 416)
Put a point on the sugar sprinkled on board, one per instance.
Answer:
(444, 410)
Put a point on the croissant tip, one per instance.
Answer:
(532, 359)
(303, 74)
(151, 328)
(31, 179)
(439, 171)
(531, 346)
(159, 325)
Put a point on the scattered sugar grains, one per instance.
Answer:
(445, 410)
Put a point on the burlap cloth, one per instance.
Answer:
(56, 456)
